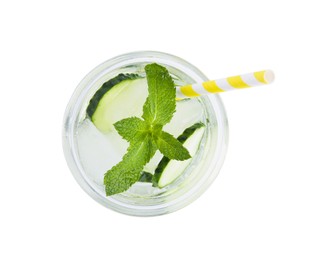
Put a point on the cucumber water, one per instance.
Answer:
(101, 147)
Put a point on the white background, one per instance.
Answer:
(275, 197)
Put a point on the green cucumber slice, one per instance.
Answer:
(118, 98)
(168, 170)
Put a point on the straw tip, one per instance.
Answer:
(269, 76)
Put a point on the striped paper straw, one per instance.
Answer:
(221, 85)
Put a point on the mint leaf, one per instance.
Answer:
(160, 104)
(170, 147)
(120, 178)
(123, 175)
(132, 128)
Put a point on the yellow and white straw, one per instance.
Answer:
(221, 85)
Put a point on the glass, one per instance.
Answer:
(142, 200)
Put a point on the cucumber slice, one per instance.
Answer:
(168, 170)
(118, 98)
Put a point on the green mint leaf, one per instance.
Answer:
(120, 178)
(123, 175)
(170, 147)
(160, 104)
(131, 129)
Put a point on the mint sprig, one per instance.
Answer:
(146, 135)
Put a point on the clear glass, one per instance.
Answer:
(199, 174)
